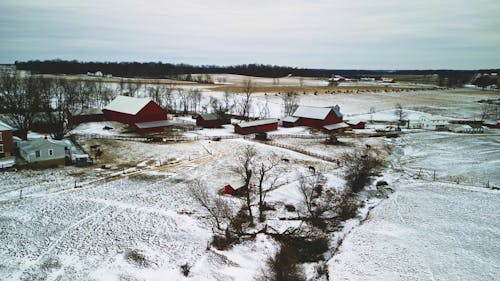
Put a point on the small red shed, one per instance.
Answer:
(356, 124)
(257, 126)
(208, 120)
(289, 121)
(492, 124)
(317, 117)
(336, 128)
(234, 188)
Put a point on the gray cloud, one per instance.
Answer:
(318, 33)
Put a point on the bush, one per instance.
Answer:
(283, 266)
(290, 208)
(185, 269)
(360, 165)
(348, 206)
(136, 257)
(308, 249)
(221, 242)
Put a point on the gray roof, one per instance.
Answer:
(336, 126)
(354, 122)
(5, 127)
(290, 119)
(316, 112)
(86, 111)
(153, 124)
(128, 105)
(257, 123)
(36, 144)
(208, 116)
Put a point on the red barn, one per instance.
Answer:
(6, 144)
(234, 188)
(317, 117)
(356, 124)
(208, 120)
(257, 126)
(139, 112)
(492, 124)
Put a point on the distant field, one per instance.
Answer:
(319, 89)
(417, 79)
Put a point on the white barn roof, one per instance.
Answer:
(337, 126)
(313, 112)
(257, 123)
(128, 105)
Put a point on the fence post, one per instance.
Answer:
(434, 176)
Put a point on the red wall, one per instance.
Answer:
(331, 118)
(7, 143)
(256, 129)
(200, 122)
(150, 112)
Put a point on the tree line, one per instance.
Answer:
(163, 70)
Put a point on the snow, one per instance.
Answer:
(430, 230)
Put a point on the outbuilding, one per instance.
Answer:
(6, 143)
(138, 112)
(257, 126)
(79, 116)
(317, 117)
(209, 120)
(44, 152)
(234, 188)
(491, 124)
(354, 124)
(289, 121)
(336, 128)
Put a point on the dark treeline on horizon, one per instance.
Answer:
(163, 70)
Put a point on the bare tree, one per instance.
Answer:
(400, 113)
(220, 212)
(290, 102)
(311, 187)
(269, 177)
(55, 112)
(360, 166)
(372, 111)
(245, 103)
(195, 98)
(244, 168)
(183, 100)
(20, 99)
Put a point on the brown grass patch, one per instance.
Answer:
(313, 89)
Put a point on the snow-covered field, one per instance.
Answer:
(426, 230)
(431, 230)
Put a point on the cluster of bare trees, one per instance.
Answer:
(28, 99)
(290, 102)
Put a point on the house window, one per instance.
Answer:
(1, 135)
(37, 154)
(1, 148)
(51, 152)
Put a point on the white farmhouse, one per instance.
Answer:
(434, 122)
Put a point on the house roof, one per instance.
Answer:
(36, 144)
(257, 123)
(128, 105)
(5, 127)
(336, 126)
(290, 119)
(490, 122)
(313, 112)
(153, 124)
(208, 116)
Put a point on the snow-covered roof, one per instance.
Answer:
(257, 123)
(290, 119)
(128, 105)
(490, 122)
(316, 112)
(354, 122)
(336, 126)
(208, 116)
(5, 127)
(36, 144)
(153, 124)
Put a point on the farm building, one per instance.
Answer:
(44, 152)
(142, 113)
(6, 144)
(356, 124)
(234, 188)
(209, 120)
(79, 116)
(257, 126)
(317, 117)
(469, 129)
(434, 122)
(491, 124)
(289, 121)
(336, 128)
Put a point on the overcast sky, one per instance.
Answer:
(352, 34)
